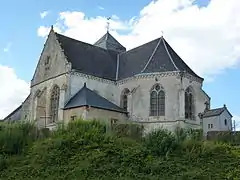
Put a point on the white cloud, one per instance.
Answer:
(44, 14)
(8, 47)
(43, 31)
(13, 91)
(207, 38)
(101, 8)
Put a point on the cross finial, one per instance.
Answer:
(108, 23)
(52, 28)
(162, 33)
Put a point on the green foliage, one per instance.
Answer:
(127, 130)
(160, 142)
(225, 136)
(15, 137)
(94, 150)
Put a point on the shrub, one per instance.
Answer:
(127, 130)
(15, 137)
(87, 150)
(160, 142)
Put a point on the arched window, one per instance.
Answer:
(54, 103)
(189, 104)
(124, 99)
(157, 101)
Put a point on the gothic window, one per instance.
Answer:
(124, 99)
(54, 103)
(157, 101)
(189, 104)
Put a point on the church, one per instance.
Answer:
(149, 84)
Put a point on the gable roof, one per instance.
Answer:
(15, 115)
(108, 42)
(104, 60)
(154, 56)
(89, 59)
(87, 97)
(215, 112)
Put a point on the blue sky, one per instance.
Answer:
(19, 38)
(20, 25)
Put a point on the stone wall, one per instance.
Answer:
(92, 113)
(103, 87)
(139, 101)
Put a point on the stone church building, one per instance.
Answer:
(150, 84)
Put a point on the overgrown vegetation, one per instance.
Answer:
(92, 150)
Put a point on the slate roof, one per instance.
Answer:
(89, 59)
(15, 115)
(87, 97)
(215, 112)
(154, 56)
(103, 59)
(108, 42)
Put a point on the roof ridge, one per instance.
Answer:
(74, 39)
(88, 101)
(134, 48)
(108, 39)
(169, 54)
(106, 50)
(117, 68)
(13, 112)
(150, 58)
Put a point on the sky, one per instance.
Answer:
(205, 33)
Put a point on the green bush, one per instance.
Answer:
(15, 137)
(160, 142)
(127, 130)
(92, 150)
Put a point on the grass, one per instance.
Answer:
(92, 150)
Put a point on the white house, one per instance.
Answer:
(219, 119)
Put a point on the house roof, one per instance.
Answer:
(154, 56)
(89, 59)
(108, 42)
(15, 115)
(87, 97)
(215, 112)
(103, 58)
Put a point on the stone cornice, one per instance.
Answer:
(53, 77)
(77, 73)
(190, 77)
(138, 76)
(147, 76)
